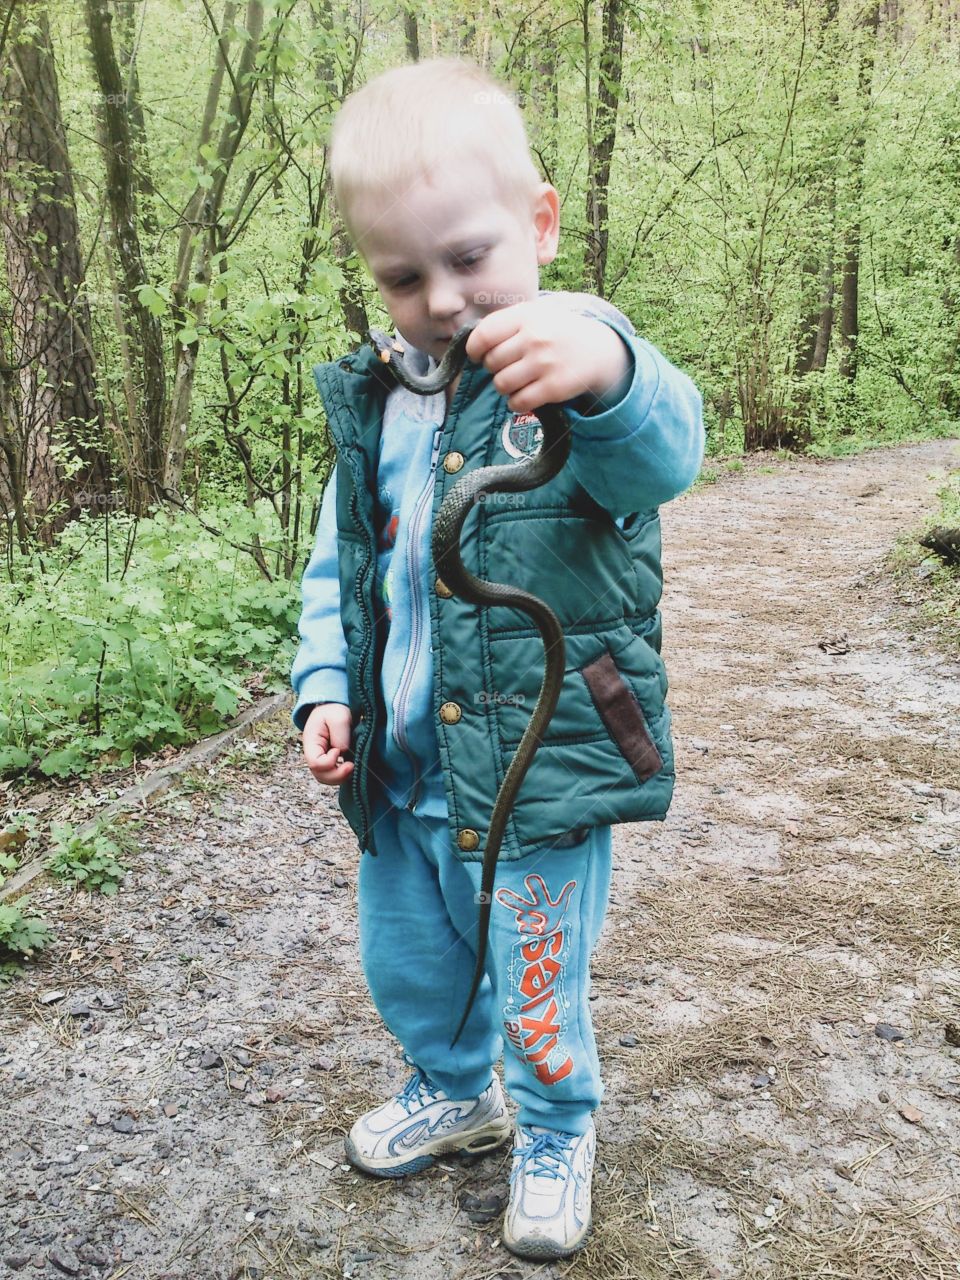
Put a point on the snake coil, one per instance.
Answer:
(519, 477)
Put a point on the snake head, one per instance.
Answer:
(384, 346)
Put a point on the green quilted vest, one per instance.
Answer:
(607, 756)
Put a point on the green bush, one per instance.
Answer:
(131, 635)
(21, 934)
(90, 861)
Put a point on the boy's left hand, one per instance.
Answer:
(542, 354)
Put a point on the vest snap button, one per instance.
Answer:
(450, 713)
(453, 462)
(442, 590)
(468, 840)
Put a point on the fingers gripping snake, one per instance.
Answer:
(519, 477)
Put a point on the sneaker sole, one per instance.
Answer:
(474, 1144)
(539, 1249)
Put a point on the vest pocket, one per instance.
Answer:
(620, 712)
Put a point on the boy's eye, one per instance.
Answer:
(405, 283)
(470, 259)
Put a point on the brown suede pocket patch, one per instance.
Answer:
(620, 712)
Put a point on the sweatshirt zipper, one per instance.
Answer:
(405, 684)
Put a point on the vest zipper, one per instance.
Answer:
(368, 710)
(405, 684)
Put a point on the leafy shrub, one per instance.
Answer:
(131, 635)
(21, 934)
(91, 861)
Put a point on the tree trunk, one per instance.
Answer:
(546, 118)
(816, 273)
(825, 327)
(411, 36)
(849, 316)
(129, 28)
(602, 136)
(202, 230)
(816, 284)
(142, 329)
(948, 397)
(49, 397)
(351, 291)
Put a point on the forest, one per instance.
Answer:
(771, 192)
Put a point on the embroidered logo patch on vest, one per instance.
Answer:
(522, 435)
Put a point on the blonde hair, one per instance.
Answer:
(407, 122)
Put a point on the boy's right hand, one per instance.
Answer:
(326, 741)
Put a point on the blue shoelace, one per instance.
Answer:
(549, 1154)
(415, 1090)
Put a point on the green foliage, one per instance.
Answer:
(949, 497)
(926, 581)
(90, 861)
(21, 934)
(755, 146)
(100, 667)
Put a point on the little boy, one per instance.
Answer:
(413, 702)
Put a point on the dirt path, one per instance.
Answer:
(178, 1111)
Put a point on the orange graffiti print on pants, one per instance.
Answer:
(535, 1033)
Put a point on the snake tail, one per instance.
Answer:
(554, 654)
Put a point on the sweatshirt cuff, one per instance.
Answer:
(639, 387)
(322, 686)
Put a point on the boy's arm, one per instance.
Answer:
(319, 671)
(643, 443)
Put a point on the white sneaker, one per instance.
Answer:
(549, 1211)
(406, 1133)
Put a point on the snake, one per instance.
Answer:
(519, 477)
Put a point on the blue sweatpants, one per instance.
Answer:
(418, 935)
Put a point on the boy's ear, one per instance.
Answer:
(546, 222)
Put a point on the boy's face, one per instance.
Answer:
(447, 250)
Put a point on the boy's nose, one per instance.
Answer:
(445, 299)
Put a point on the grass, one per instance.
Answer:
(930, 587)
